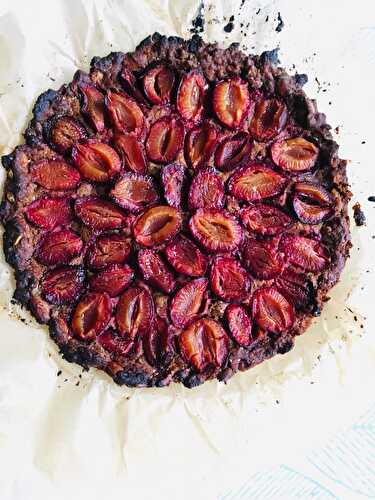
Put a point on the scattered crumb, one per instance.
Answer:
(59, 373)
(371, 198)
(277, 402)
(280, 25)
(266, 20)
(359, 216)
(337, 129)
(363, 142)
(257, 12)
(228, 27)
(198, 22)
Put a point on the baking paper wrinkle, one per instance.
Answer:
(96, 433)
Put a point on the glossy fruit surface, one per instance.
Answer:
(216, 230)
(55, 175)
(231, 101)
(204, 343)
(271, 311)
(294, 155)
(157, 225)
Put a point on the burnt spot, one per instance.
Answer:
(270, 56)
(131, 378)
(358, 214)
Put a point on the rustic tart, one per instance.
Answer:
(177, 214)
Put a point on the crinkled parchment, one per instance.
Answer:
(77, 435)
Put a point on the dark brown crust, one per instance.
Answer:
(19, 238)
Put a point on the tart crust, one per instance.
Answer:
(261, 72)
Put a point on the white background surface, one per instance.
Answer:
(95, 440)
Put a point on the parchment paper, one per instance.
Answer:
(77, 435)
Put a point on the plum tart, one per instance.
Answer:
(177, 214)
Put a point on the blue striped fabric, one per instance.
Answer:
(343, 468)
(281, 483)
(349, 458)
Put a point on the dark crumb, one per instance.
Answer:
(280, 25)
(65, 380)
(80, 375)
(317, 311)
(59, 373)
(228, 27)
(355, 318)
(359, 216)
(267, 19)
(257, 12)
(337, 129)
(77, 384)
(301, 79)
(371, 198)
(312, 382)
(277, 402)
(198, 22)
(231, 19)
(363, 142)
